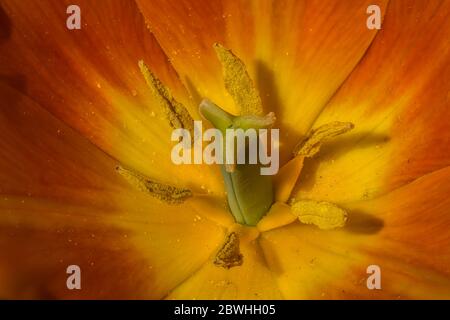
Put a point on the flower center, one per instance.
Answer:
(253, 201)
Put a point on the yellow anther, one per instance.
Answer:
(229, 255)
(163, 192)
(324, 215)
(175, 112)
(312, 143)
(238, 83)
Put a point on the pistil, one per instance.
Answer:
(249, 193)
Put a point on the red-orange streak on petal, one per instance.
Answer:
(78, 75)
(398, 98)
(41, 156)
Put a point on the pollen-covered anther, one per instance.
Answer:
(175, 112)
(238, 82)
(324, 215)
(229, 255)
(312, 143)
(165, 193)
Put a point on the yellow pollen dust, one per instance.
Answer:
(175, 112)
(322, 214)
(312, 143)
(229, 255)
(163, 192)
(238, 83)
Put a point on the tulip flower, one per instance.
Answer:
(87, 180)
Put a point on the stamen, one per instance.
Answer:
(324, 215)
(229, 255)
(312, 143)
(175, 112)
(238, 83)
(163, 192)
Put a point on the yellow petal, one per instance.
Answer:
(213, 208)
(251, 280)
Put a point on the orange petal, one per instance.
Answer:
(298, 52)
(90, 79)
(398, 99)
(41, 156)
(407, 237)
(124, 250)
(62, 203)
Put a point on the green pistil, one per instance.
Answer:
(250, 194)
